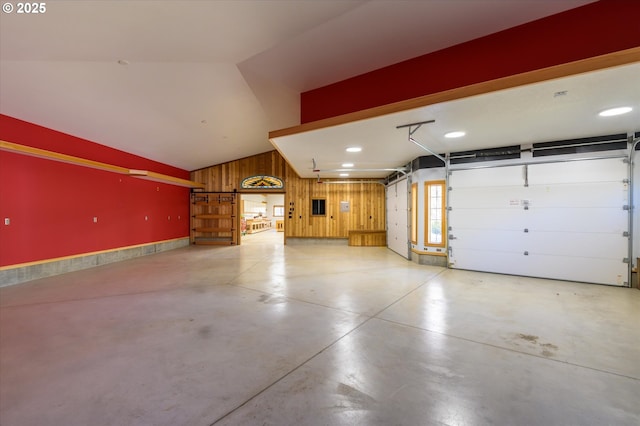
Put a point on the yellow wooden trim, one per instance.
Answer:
(443, 228)
(430, 253)
(78, 161)
(414, 213)
(595, 63)
(92, 253)
(56, 156)
(159, 177)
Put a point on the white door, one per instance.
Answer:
(568, 223)
(397, 218)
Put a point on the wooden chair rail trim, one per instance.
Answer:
(83, 162)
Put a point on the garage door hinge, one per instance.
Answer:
(625, 234)
(625, 260)
(449, 208)
(626, 180)
(625, 207)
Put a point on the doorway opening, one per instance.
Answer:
(262, 218)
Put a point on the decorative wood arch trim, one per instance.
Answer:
(262, 182)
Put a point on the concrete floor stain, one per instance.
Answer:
(528, 337)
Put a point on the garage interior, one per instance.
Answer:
(315, 334)
(506, 288)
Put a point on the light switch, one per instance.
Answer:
(7, 221)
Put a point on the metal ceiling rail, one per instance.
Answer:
(417, 124)
(438, 156)
(396, 169)
(343, 182)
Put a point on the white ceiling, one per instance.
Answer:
(207, 80)
(519, 116)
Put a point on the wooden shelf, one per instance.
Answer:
(203, 241)
(78, 161)
(213, 204)
(210, 229)
(213, 218)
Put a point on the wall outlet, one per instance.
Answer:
(95, 219)
(7, 221)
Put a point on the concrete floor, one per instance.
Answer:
(314, 335)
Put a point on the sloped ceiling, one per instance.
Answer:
(198, 83)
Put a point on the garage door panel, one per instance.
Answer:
(612, 169)
(488, 197)
(495, 240)
(573, 213)
(606, 220)
(599, 194)
(610, 271)
(575, 245)
(597, 270)
(397, 218)
(484, 260)
(543, 243)
(488, 177)
(485, 218)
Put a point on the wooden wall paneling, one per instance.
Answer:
(227, 177)
(368, 238)
(366, 200)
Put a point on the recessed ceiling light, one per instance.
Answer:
(354, 149)
(344, 174)
(457, 134)
(347, 165)
(615, 111)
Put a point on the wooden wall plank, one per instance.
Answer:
(366, 200)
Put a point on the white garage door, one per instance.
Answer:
(568, 223)
(397, 218)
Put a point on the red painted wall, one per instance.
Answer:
(51, 205)
(591, 30)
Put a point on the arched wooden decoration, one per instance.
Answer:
(262, 182)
